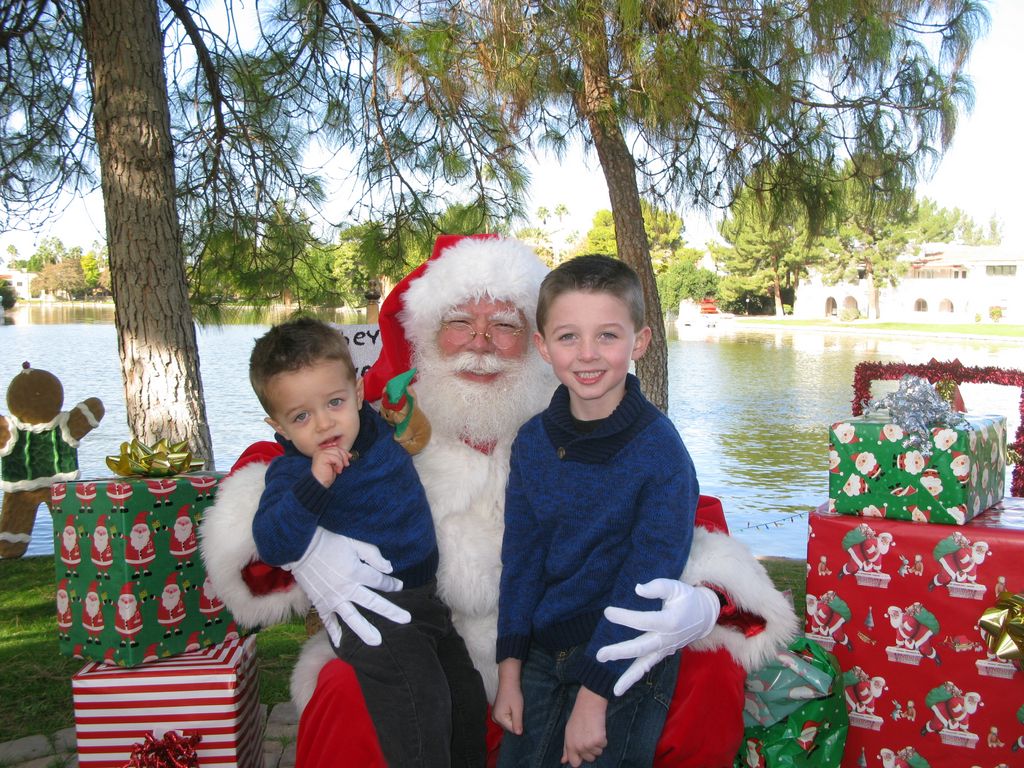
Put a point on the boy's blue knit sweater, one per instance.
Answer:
(378, 498)
(587, 518)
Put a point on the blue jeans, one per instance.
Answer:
(633, 725)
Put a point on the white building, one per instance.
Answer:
(945, 282)
(21, 281)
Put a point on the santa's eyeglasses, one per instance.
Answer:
(459, 332)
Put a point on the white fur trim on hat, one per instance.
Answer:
(499, 269)
(226, 545)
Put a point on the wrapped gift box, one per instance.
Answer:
(873, 474)
(899, 605)
(130, 583)
(213, 692)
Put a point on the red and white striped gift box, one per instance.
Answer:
(213, 692)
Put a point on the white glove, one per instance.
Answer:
(336, 573)
(688, 614)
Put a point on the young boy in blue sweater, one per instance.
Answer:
(601, 497)
(343, 471)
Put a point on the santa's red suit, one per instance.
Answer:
(464, 476)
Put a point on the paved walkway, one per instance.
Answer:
(59, 749)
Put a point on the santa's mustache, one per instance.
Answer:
(481, 363)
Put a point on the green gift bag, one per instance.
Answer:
(794, 713)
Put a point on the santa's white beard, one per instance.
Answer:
(92, 605)
(139, 540)
(126, 609)
(481, 412)
(100, 540)
(69, 539)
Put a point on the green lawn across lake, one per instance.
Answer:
(987, 330)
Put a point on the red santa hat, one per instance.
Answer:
(101, 521)
(126, 589)
(93, 587)
(70, 522)
(183, 513)
(62, 585)
(140, 519)
(461, 268)
(172, 578)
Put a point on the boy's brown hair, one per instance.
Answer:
(292, 345)
(593, 273)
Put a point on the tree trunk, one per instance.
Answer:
(156, 336)
(869, 273)
(777, 290)
(595, 106)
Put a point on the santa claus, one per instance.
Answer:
(64, 619)
(92, 614)
(139, 550)
(171, 611)
(70, 551)
(725, 610)
(128, 621)
(183, 543)
(101, 552)
(210, 604)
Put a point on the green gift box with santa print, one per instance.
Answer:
(131, 586)
(875, 471)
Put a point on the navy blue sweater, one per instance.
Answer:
(378, 499)
(588, 516)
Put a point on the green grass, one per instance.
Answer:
(959, 329)
(35, 687)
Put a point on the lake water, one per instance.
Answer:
(753, 407)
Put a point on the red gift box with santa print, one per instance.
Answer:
(899, 605)
(130, 582)
(212, 693)
(875, 472)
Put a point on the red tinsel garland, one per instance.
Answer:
(870, 371)
(171, 751)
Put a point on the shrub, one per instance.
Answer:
(849, 313)
(8, 298)
(995, 313)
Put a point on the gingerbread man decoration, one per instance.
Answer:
(38, 447)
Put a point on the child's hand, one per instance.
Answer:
(328, 463)
(507, 710)
(585, 737)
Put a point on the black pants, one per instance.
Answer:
(426, 699)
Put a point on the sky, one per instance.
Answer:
(982, 173)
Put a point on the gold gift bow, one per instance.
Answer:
(1004, 623)
(163, 459)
